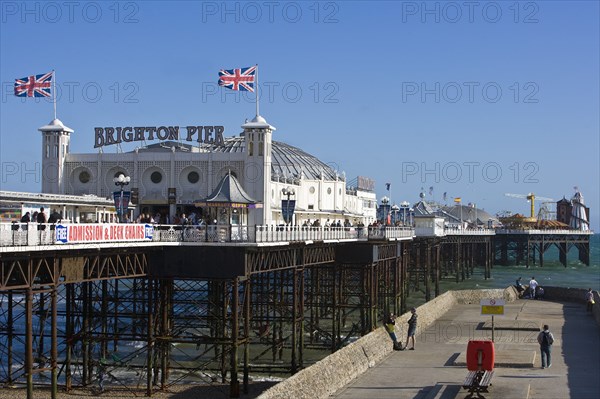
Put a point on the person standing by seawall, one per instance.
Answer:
(412, 329)
(519, 286)
(546, 339)
(532, 286)
(589, 299)
(390, 327)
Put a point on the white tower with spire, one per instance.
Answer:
(258, 138)
(55, 147)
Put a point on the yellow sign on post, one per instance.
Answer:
(492, 307)
(493, 310)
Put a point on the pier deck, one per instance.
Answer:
(429, 371)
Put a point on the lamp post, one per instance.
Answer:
(385, 211)
(404, 205)
(395, 209)
(121, 181)
(288, 191)
(461, 222)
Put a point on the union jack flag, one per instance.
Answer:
(34, 86)
(238, 79)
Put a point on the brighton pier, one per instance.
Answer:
(257, 285)
(180, 301)
(116, 135)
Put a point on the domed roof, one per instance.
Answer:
(287, 162)
(469, 213)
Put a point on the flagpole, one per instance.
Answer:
(257, 113)
(54, 90)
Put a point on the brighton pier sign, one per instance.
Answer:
(115, 135)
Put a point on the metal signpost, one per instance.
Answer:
(494, 307)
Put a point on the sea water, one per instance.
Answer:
(552, 273)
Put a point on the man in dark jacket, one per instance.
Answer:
(26, 218)
(546, 339)
(41, 219)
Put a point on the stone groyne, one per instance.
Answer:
(338, 369)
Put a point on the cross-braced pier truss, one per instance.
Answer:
(150, 317)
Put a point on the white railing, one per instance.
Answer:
(210, 233)
(279, 233)
(453, 231)
(538, 231)
(389, 232)
(19, 234)
(34, 234)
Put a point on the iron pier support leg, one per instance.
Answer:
(295, 294)
(54, 343)
(583, 249)
(457, 262)
(247, 299)
(563, 249)
(29, 341)
(150, 338)
(116, 316)
(166, 291)
(69, 332)
(301, 325)
(85, 287)
(427, 274)
(334, 307)
(10, 327)
(404, 281)
(397, 265)
(234, 388)
(104, 319)
(438, 266)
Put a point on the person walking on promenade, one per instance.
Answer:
(546, 339)
(589, 299)
(532, 286)
(390, 327)
(412, 329)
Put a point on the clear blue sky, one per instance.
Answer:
(473, 100)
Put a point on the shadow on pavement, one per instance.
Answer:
(581, 351)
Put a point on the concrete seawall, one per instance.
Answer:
(573, 295)
(340, 368)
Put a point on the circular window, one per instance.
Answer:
(311, 190)
(193, 177)
(84, 177)
(329, 190)
(156, 177)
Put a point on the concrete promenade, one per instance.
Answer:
(435, 369)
